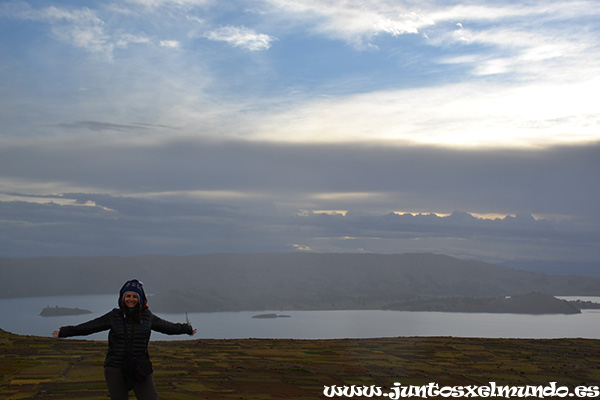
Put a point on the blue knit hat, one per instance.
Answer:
(137, 287)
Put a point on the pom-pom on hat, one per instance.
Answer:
(137, 287)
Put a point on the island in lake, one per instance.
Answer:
(62, 311)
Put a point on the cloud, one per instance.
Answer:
(351, 21)
(81, 27)
(454, 115)
(357, 22)
(169, 43)
(166, 3)
(131, 226)
(507, 238)
(405, 24)
(125, 40)
(361, 111)
(510, 81)
(511, 37)
(530, 54)
(366, 178)
(102, 126)
(240, 36)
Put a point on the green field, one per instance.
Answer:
(47, 368)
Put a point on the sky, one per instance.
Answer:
(468, 128)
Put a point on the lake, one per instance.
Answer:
(21, 316)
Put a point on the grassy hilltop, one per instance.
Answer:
(47, 368)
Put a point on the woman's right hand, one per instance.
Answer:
(55, 333)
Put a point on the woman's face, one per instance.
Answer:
(131, 299)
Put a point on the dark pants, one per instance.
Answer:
(117, 386)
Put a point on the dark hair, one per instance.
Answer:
(134, 315)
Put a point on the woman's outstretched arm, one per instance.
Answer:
(87, 328)
(171, 328)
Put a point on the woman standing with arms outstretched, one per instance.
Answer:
(127, 365)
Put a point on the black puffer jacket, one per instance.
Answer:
(138, 334)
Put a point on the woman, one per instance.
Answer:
(127, 365)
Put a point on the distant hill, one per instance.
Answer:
(220, 282)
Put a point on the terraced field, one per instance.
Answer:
(47, 368)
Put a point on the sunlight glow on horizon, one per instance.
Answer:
(470, 116)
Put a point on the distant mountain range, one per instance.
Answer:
(299, 281)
